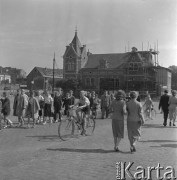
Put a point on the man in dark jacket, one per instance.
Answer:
(105, 103)
(163, 105)
(57, 105)
(6, 109)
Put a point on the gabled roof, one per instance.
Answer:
(114, 60)
(47, 72)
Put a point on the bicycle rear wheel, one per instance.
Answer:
(90, 126)
(66, 129)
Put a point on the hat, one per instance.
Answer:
(120, 94)
(165, 91)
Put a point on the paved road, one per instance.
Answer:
(38, 154)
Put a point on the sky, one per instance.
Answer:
(32, 30)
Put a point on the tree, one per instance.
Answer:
(67, 84)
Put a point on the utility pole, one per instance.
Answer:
(53, 85)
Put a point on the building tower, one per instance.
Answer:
(74, 58)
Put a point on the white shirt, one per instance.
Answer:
(84, 101)
(48, 99)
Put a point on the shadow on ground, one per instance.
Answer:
(159, 141)
(157, 126)
(46, 138)
(49, 138)
(166, 145)
(86, 150)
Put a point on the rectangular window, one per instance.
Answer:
(87, 82)
(92, 82)
(117, 83)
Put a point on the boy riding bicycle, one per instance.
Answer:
(83, 108)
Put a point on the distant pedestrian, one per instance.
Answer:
(163, 105)
(48, 106)
(32, 109)
(40, 99)
(135, 120)
(57, 105)
(127, 98)
(21, 107)
(94, 102)
(16, 102)
(118, 109)
(72, 97)
(172, 107)
(66, 104)
(105, 103)
(148, 107)
(6, 109)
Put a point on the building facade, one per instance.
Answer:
(135, 70)
(74, 58)
(5, 78)
(41, 78)
(14, 73)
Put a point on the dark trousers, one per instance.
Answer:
(57, 115)
(104, 110)
(165, 115)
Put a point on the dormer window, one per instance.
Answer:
(134, 66)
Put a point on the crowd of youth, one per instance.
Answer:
(42, 107)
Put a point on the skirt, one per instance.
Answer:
(118, 128)
(134, 130)
(47, 110)
(172, 112)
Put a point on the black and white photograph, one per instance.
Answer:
(88, 89)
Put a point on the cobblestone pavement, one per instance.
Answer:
(38, 154)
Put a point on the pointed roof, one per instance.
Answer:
(76, 44)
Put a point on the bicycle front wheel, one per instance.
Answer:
(90, 126)
(66, 129)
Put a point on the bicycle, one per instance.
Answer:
(94, 113)
(149, 113)
(72, 127)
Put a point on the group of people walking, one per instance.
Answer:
(120, 107)
(40, 106)
(168, 106)
(36, 105)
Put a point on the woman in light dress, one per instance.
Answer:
(135, 120)
(32, 109)
(172, 107)
(118, 109)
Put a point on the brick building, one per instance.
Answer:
(135, 70)
(40, 78)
